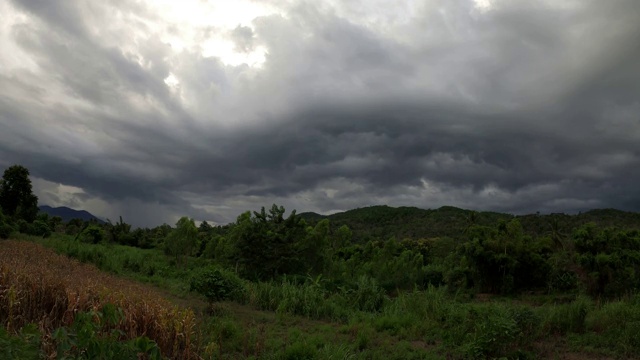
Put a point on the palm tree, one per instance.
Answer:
(556, 235)
(472, 219)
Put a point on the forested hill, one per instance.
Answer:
(411, 222)
(68, 214)
(383, 221)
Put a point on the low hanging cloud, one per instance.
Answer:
(152, 110)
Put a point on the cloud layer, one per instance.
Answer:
(153, 110)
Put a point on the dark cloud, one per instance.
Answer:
(521, 107)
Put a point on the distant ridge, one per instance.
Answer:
(68, 214)
(384, 222)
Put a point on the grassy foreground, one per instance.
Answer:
(72, 304)
(51, 306)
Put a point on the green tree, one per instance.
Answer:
(609, 260)
(472, 220)
(120, 232)
(74, 227)
(267, 244)
(5, 227)
(342, 238)
(182, 240)
(39, 228)
(93, 234)
(16, 196)
(205, 227)
(55, 223)
(556, 234)
(314, 247)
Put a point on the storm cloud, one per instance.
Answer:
(154, 110)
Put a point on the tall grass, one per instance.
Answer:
(432, 317)
(39, 286)
(145, 265)
(305, 300)
(562, 319)
(312, 300)
(614, 325)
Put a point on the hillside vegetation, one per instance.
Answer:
(372, 283)
(411, 222)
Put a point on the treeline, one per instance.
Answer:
(498, 258)
(410, 222)
(478, 252)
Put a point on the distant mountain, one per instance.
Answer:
(67, 213)
(384, 222)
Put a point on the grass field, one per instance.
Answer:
(286, 320)
(43, 288)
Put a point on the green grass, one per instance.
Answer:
(23, 345)
(145, 265)
(290, 319)
(613, 326)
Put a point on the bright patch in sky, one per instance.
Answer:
(224, 50)
(483, 5)
(12, 57)
(171, 81)
(193, 24)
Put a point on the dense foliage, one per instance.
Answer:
(503, 257)
(510, 255)
(217, 284)
(405, 272)
(16, 196)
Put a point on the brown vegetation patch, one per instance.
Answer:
(39, 286)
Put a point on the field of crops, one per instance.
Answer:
(38, 286)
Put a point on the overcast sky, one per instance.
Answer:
(157, 109)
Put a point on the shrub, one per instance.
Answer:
(93, 234)
(5, 230)
(367, 295)
(566, 318)
(299, 350)
(335, 351)
(217, 284)
(94, 335)
(527, 320)
(39, 228)
(22, 226)
(434, 275)
(306, 300)
(303, 300)
(24, 345)
(499, 331)
(615, 325)
(394, 324)
(228, 334)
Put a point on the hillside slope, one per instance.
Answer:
(68, 214)
(384, 222)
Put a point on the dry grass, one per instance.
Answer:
(39, 286)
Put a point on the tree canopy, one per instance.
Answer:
(16, 196)
(266, 243)
(182, 240)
